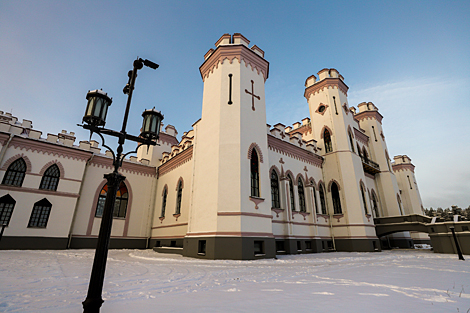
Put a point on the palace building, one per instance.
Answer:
(232, 187)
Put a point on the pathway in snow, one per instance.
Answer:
(145, 281)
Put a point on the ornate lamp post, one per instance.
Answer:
(95, 119)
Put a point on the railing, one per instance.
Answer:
(370, 166)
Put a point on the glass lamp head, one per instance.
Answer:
(151, 124)
(97, 108)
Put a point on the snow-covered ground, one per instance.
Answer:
(145, 281)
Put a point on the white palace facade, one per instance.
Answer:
(233, 187)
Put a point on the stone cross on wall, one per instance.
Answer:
(253, 96)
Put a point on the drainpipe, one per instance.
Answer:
(5, 148)
(78, 200)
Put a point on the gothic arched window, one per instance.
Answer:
(351, 141)
(322, 200)
(15, 173)
(50, 179)
(7, 204)
(179, 195)
(364, 154)
(375, 206)
(327, 141)
(336, 199)
(315, 206)
(301, 192)
(275, 190)
(291, 193)
(165, 194)
(364, 202)
(359, 150)
(40, 214)
(254, 169)
(120, 205)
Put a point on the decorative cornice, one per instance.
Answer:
(230, 234)
(326, 83)
(39, 191)
(49, 148)
(244, 214)
(361, 136)
(166, 226)
(290, 150)
(230, 52)
(256, 201)
(133, 168)
(176, 161)
(165, 138)
(403, 167)
(369, 115)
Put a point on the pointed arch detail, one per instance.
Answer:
(289, 173)
(254, 145)
(274, 168)
(331, 183)
(16, 157)
(323, 131)
(165, 188)
(48, 164)
(178, 182)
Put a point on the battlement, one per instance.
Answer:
(366, 106)
(323, 74)
(235, 39)
(401, 159)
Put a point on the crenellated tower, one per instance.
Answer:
(336, 131)
(227, 217)
(405, 173)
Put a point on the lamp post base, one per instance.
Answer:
(92, 305)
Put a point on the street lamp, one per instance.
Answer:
(95, 119)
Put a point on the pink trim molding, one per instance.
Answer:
(256, 201)
(254, 145)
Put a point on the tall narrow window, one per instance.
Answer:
(364, 155)
(351, 141)
(254, 168)
(15, 173)
(409, 181)
(327, 141)
(120, 205)
(40, 214)
(399, 205)
(165, 194)
(301, 192)
(291, 193)
(336, 199)
(275, 190)
(375, 206)
(50, 179)
(359, 150)
(315, 206)
(322, 200)
(179, 195)
(7, 203)
(364, 202)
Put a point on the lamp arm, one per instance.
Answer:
(104, 145)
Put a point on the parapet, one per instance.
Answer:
(366, 106)
(401, 159)
(327, 77)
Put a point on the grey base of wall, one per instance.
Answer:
(444, 242)
(358, 245)
(114, 243)
(33, 243)
(391, 243)
(422, 242)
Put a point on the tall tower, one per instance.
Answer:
(226, 219)
(371, 121)
(333, 126)
(405, 172)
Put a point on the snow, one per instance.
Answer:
(146, 281)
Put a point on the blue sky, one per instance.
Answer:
(411, 58)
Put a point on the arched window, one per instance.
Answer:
(359, 150)
(399, 205)
(301, 192)
(375, 207)
(7, 203)
(254, 168)
(275, 190)
(165, 194)
(179, 195)
(291, 193)
(322, 199)
(15, 173)
(327, 141)
(364, 202)
(50, 179)
(351, 141)
(315, 206)
(336, 199)
(364, 154)
(40, 214)
(120, 205)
